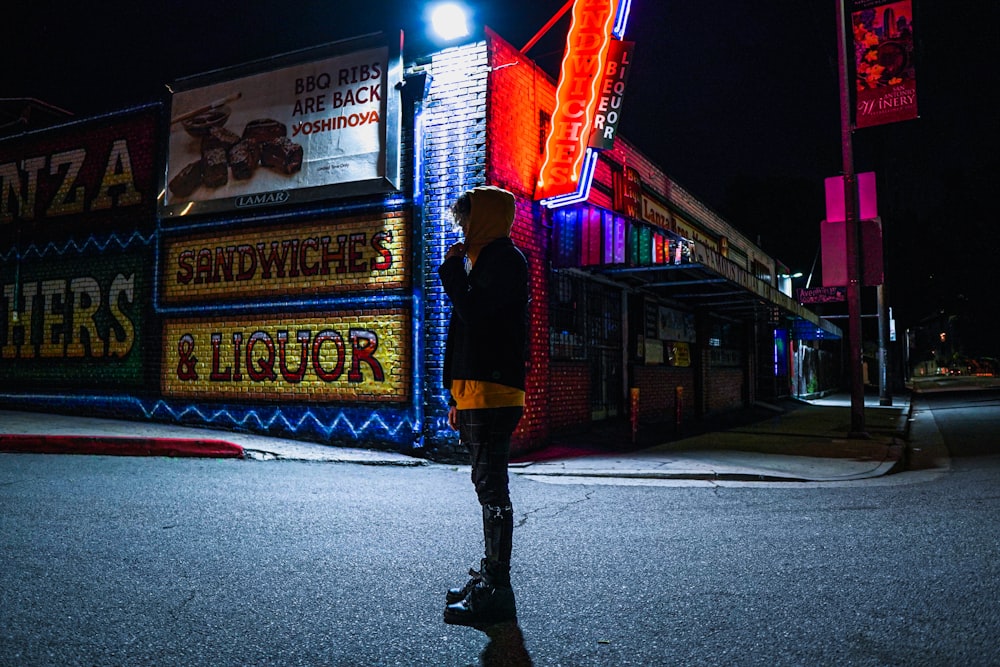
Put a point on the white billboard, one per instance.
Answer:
(323, 128)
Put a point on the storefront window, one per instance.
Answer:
(583, 317)
(566, 317)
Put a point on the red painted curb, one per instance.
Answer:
(119, 446)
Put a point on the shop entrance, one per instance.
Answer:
(587, 324)
(604, 318)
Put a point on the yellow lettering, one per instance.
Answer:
(120, 346)
(118, 173)
(67, 199)
(84, 289)
(53, 318)
(22, 193)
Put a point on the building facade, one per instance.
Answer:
(148, 276)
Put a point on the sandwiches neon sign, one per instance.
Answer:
(568, 167)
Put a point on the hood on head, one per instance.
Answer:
(491, 218)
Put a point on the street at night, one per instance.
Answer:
(145, 561)
(562, 333)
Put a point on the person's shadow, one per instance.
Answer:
(506, 646)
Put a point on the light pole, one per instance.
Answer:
(852, 232)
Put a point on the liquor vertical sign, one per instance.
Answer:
(883, 52)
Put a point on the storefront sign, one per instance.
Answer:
(322, 257)
(733, 273)
(689, 231)
(883, 47)
(85, 175)
(577, 94)
(680, 355)
(821, 294)
(609, 105)
(312, 130)
(342, 356)
(656, 214)
(627, 186)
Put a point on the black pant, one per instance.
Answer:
(486, 433)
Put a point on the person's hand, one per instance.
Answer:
(456, 250)
(453, 417)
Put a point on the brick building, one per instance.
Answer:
(312, 309)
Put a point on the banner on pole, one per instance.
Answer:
(883, 59)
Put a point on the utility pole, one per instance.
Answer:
(852, 231)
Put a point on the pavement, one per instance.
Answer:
(786, 441)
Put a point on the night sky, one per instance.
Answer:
(737, 101)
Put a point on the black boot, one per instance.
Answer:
(498, 534)
(456, 594)
(498, 528)
(490, 601)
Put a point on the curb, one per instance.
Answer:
(119, 446)
(886, 467)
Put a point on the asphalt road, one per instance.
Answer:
(150, 561)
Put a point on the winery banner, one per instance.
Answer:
(324, 128)
(883, 52)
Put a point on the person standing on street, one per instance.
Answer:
(486, 279)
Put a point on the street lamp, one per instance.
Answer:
(449, 21)
(785, 282)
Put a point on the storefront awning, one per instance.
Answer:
(664, 263)
(720, 286)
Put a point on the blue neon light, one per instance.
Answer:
(72, 244)
(582, 192)
(583, 185)
(621, 19)
(327, 425)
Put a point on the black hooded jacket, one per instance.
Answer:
(488, 326)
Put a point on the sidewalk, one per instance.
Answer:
(801, 442)
(792, 441)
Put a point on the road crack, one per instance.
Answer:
(558, 508)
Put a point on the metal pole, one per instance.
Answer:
(884, 386)
(852, 233)
(545, 28)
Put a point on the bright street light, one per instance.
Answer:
(449, 21)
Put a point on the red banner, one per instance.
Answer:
(883, 58)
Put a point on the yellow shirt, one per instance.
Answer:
(479, 394)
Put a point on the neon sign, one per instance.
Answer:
(569, 164)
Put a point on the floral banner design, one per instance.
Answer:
(883, 53)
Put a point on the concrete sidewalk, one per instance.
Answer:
(804, 443)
